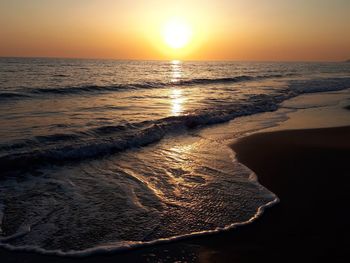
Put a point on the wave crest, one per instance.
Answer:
(88, 89)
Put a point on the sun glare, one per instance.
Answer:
(177, 33)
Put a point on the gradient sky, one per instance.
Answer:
(221, 30)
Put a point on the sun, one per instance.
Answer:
(177, 33)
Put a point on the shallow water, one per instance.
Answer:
(99, 154)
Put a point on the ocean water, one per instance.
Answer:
(100, 155)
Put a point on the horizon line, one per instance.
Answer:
(183, 60)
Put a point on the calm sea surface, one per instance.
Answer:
(105, 154)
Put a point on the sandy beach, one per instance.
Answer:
(307, 169)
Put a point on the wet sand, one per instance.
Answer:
(309, 171)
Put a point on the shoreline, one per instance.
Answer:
(309, 223)
(310, 220)
(279, 231)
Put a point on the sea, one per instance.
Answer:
(107, 155)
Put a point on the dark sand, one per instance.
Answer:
(310, 172)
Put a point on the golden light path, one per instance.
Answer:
(176, 94)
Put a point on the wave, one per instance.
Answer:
(143, 134)
(230, 79)
(88, 89)
(107, 246)
(319, 85)
(12, 95)
(110, 139)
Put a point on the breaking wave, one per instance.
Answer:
(106, 140)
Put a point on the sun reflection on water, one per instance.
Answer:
(176, 94)
(177, 101)
(176, 71)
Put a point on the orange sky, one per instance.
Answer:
(221, 30)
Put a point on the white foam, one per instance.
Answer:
(127, 245)
(212, 155)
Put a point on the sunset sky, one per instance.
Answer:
(209, 30)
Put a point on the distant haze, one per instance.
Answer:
(256, 30)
